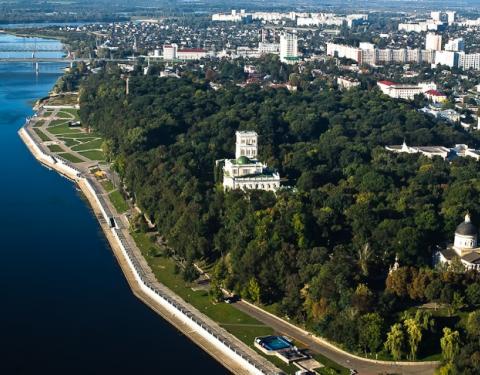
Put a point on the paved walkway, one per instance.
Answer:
(314, 344)
(55, 138)
(318, 346)
(142, 269)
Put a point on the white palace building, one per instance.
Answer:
(245, 171)
(464, 246)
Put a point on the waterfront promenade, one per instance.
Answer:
(45, 136)
(228, 350)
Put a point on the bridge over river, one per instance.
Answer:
(62, 59)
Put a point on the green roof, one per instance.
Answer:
(243, 160)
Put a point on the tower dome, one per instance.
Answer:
(466, 228)
(466, 235)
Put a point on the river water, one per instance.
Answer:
(65, 307)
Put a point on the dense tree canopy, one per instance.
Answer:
(320, 249)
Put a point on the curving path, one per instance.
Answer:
(317, 345)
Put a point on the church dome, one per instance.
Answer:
(243, 160)
(466, 228)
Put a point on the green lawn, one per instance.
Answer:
(69, 141)
(71, 111)
(234, 321)
(63, 129)
(81, 137)
(93, 155)
(38, 123)
(107, 185)
(63, 99)
(70, 157)
(55, 148)
(57, 122)
(118, 201)
(63, 115)
(329, 364)
(85, 138)
(42, 135)
(95, 144)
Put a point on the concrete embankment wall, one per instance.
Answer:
(55, 162)
(182, 313)
(187, 314)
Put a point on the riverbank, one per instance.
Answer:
(240, 319)
(228, 350)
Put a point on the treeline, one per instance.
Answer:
(13, 16)
(81, 44)
(321, 250)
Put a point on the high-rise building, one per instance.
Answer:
(447, 58)
(170, 51)
(456, 45)
(288, 47)
(436, 16)
(451, 15)
(433, 42)
(469, 61)
(344, 51)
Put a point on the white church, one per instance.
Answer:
(245, 171)
(465, 246)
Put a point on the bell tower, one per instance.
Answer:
(246, 144)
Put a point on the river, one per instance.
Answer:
(65, 307)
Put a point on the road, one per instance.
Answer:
(363, 367)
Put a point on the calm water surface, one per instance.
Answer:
(65, 307)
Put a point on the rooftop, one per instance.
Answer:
(472, 257)
(434, 93)
(191, 50)
(466, 228)
(387, 83)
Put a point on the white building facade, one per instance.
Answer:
(407, 92)
(245, 172)
(288, 47)
(433, 42)
(170, 51)
(464, 248)
(455, 45)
